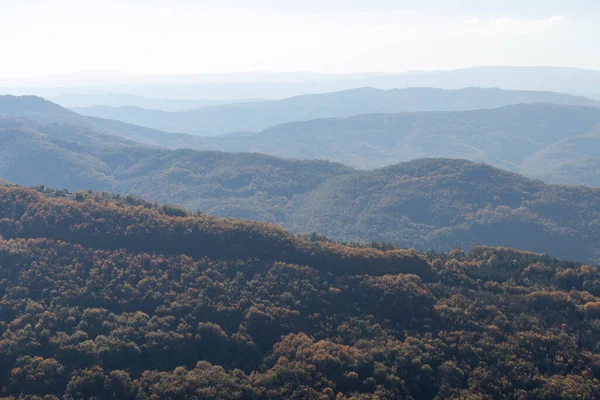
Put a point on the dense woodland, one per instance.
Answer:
(428, 204)
(441, 204)
(105, 296)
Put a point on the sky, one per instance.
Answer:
(131, 37)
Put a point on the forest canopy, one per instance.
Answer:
(105, 296)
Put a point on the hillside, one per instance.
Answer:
(45, 112)
(441, 204)
(428, 204)
(255, 186)
(256, 116)
(23, 105)
(76, 134)
(107, 297)
(573, 159)
(537, 140)
(507, 137)
(59, 155)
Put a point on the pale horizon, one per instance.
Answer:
(209, 37)
(92, 78)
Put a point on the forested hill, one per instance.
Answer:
(258, 115)
(443, 203)
(427, 204)
(251, 186)
(112, 223)
(115, 298)
(534, 139)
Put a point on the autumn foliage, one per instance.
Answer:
(108, 297)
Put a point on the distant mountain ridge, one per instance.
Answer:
(125, 100)
(256, 116)
(537, 140)
(282, 85)
(553, 142)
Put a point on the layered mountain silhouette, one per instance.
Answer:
(429, 204)
(40, 110)
(256, 116)
(225, 87)
(543, 141)
(555, 143)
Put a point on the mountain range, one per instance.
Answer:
(225, 87)
(128, 100)
(429, 204)
(132, 269)
(555, 143)
(256, 116)
(552, 142)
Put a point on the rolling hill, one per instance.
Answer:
(428, 204)
(42, 111)
(258, 186)
(519, 138)
(23, 105)
(541, 141)
(441, 203)
(256, 116)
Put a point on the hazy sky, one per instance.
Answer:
(40, 38)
